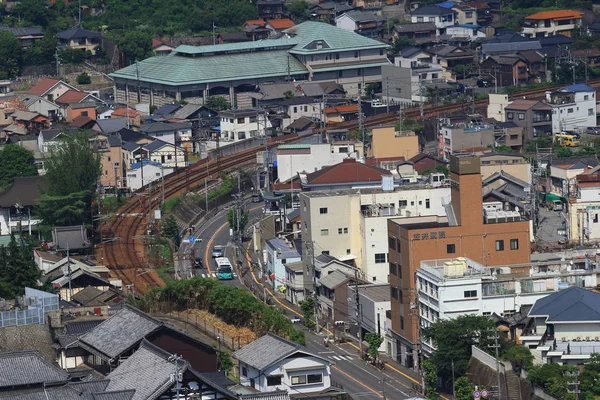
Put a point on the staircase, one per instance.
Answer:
(513, 384)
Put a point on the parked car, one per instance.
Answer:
(217, 251)
(593, 130)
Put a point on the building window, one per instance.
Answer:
(345, 230)
(299, 380)
(379, 258)
(244, 371)
(427, 204)
(470, 293)
(412, 203)
(295, 110)
(240, 120)
(253, 118)
(420, 202)
(324, 232)
(347, 251)
(521, 116)
(569, 111)
(514, 244)
(450, 248)
(586, 97)
(499, 245)
(323, 210)
(510, 115)
(84, 113)
(314, 378)
(419, 19)
(339, 231)
(326, 252)
(402, 203)
(395, 293)
(402, 323)
(392, 243)
(595, 220)
(469, 14)
(393, 269)
(108, 158)
(590, 111)
(356, 54)
(380, 52)
(273, 380)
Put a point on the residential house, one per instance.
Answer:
(414, 57)
(161, 48)
(332, 295)
(131, 116)
(77, 110)
(111, 125)
(564, 172)
(70, 280)
(534, 116)
(420, 32)
(301, 106)
(51, 137)
(179, 133)
(26, 35)
(111, 162)
(465, 14)
(256, 29)
(573, 107)
(591, 56)
(502, 48)
(75, 97)
(450, 56)
(30, 142)
(294, 281)
(300, 126)
(365, 4)
(5, 90)
(79, 39)
(504, 192)
(485, 11)
(238, 125)
(50, 89)
(274, 363)
(515, 165)
(72, 238)
(28, 370)
(340, 113)
(387, 142)
(364, 23)
(162, 152)
(465, 138)
(27, 123)
(276, 26)
(463, 33)
(279, 252)
(17, 206)
(42, 106)
(509, 70)
(566, 326)
(145, 172)
(442, 17)
(584, 210)
(270, 9)
(425, 162)
(326, 11)
(295, 158)
(374, 300)
(550, 23)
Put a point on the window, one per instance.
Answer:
(521, 116)
(393, 269)
(84, 113)
(392, 243)
(326, 252)
(295, 109)
(402, 323)
(499, 245)
(595, 218)
(450, 248)
(470, 293)
(324, 232)
(323, 210)
(347, 251)
(253, 118)
(345, 230)
(402, 203)
(510, 115)
(427, 204)
(307, 379)
(314, 378)
(299, 380)
(419, 19)
(356, 54)
(514, 244)
(434, 76)
(337, 56)
(244, 371)
(469, 14)
(586, 97)
(412, 203)
(379, 258)
(420, 202)
(569, 111)
(273, 380)
(231, 120)
(395, 293)
(240, 120)
(108, 158)
(380, 52)
(339, 231)
(590, 111)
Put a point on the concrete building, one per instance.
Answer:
(534, 116)
(310, 51)
(79, 39)
(551, 23)
(307, 158)
(238, 125)
(351, 224)
(387, 142)
(465, 14)
(364, 23)
(495, 110)
(464, 33)
(278, 253)
(145, 172)
(17, 206)
(564, 172)
(462, 138)
(584, 212)
(512, 164)
(442, 17)
(462, 233)
(294, 282)
(111, 163)
(573, 108)
(374, 300)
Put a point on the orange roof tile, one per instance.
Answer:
(283, 23)
(342, 109)
(43, 86)
(80, 121)
(71, 96)
(558, 14)
(122, 112)
(348, 171)
(258, 22)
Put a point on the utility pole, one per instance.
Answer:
(115, 167)
(57, 62)
(422, 102)
(358, 313)
(496, 346)
(178, 375)
(387, 92)
(575, 383)
(400, 119)
(361, 123)
(69, 272)
(162, 183)
(214, 37)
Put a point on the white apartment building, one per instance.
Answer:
(449, 288)
(551, 23)
(238, 125)
(441, 16)
(294, 158)
(145, 172)
(573, 107)
(352, 223)
(584, 212)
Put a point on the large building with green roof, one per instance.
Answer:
(310, 51)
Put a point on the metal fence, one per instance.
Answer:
(37, 304)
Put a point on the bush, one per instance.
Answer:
(84, 79)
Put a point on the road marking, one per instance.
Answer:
(357, 381)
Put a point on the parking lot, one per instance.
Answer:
(552, 227)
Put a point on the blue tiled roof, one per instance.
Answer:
(570, 305)
(145, 162)
(446, 4)
(578, 87)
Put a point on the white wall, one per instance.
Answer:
(580, 116)
(231, 128)
(288, 165)
(345, 22)
(7, 225)
(169, 157)
(169, 137)
(151, 173)
(572, 331)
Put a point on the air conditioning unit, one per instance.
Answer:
(597, 338)
(578, 339)
(564, 339)
(587, 338)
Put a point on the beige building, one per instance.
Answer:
(387, 142)
(79, 39)
(515, 165)
(110, 147)
(498, 101)
(465, 14)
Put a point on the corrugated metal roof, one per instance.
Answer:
(293, 146)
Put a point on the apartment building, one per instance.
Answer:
(442, 17)
(451, 287)
(534, 116)
(462, 138)
(351, 224)
(463, 232)
(387, 142)
(551, 23)
(584, 211)
(573, 107)
(238, 125)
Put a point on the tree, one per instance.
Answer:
(136, 46)
(454, 338)
(463, 389)
(430, 372)
(42, 51)
(520, 356)
(374, 341)
(15, 161)
(84, 79)
(10, 55)
(17, 269)
(401, 42)
(232, 217)
(442, 169)
(308, 310)
(217, 103)
(298, 10)
(564, 152)
(169, 227)
(288, 94)
(224, 362)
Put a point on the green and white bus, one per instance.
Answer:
(224, 270)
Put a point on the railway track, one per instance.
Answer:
(124, 246)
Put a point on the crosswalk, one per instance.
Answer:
(212, 275)
(341, 357)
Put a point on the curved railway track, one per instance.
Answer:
(124, 251)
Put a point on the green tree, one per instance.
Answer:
(454, 338)
(42, 51)
(232, 217)
(374, 341)
(224, 362)
(71, 56)
(308, 311)
(217, 103)
(463, 389)
(430, 372)
(17, 269)
(298, 10)
(564, 152)
(400, 43)
(442, 169)
(520, 356)
(34, 11)
(136, 46)
(542, 142)
(84, 79)
(15, 161)
(64, 210)
(288, 95)
(170, 228)
(10, 55)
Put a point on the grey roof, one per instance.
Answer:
(187, 111)
(116, 395)
(23, 190)
(70, 237)
(111, 125)
(81, 327)
(409, 52)
(166, 109)
(300, 124)
(65, 341)
(114, 141)
(120, 332)
(130, 146)
(86, 294)
(267, 350)
(148, 371)
(505, 176)
(332, 5)
(219, 378)
(295, 266)
(376, 293)
(157, 144)
(360, 15)
(333, 279)
(487, 48)
(77, 33)
(27, 367)
(83, 390)
(23, 31)
(281, 245)
(414, 27)
(432, 10)
(159, 127)
(569, 305)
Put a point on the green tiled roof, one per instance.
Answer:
(234, 47)
(293, 146)
(344, 67)
(178, 70)
(335, 38)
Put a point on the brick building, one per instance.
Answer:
(462, 233)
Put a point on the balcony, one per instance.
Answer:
(542, 117)
(558, 98)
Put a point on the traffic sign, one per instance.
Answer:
(484, 394)
(192, 239)
(476, 394)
